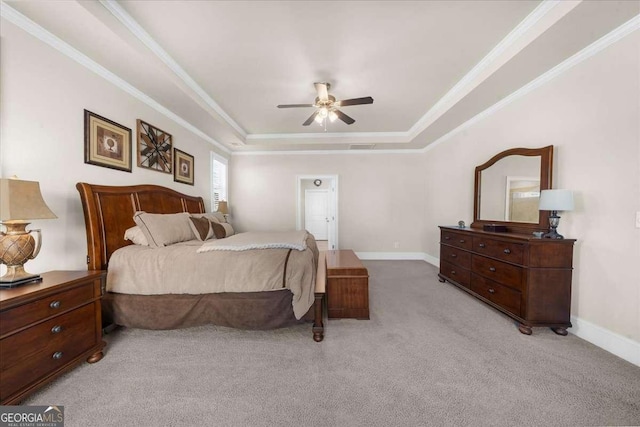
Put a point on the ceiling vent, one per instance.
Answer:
(361, 146)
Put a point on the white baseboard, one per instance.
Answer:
(622, 347)
(612, 342)
(392, 255)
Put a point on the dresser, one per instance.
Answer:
(347, 286)
(46, 328)
(527, 278)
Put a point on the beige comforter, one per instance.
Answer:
(179, 269)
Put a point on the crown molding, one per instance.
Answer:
(137, 30)
(602, 43)
(325, 152)
(26, 24)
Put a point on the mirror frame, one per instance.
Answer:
(546, 170)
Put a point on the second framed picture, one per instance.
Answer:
(182, 167)
(154, 148)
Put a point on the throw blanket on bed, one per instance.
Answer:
(258, 240)
(179, 269)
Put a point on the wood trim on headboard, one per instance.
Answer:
(108, 213)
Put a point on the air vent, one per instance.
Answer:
(361, 146)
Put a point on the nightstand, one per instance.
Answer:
(47, 328)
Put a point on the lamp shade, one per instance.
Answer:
(556, 200)
(21, 201)
(222, 207)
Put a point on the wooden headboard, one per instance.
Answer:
(108, 213)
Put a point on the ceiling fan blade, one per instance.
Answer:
(355, 101)
(342, 116)
(323, 91)
(310, 119)
(294, 105)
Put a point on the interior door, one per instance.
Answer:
(316, 213)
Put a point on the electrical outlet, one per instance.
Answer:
(637, 219)
(396, 245)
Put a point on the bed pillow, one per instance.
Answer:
(164, 229)
(136, 236)
(201, 227)
(222, 230)
(211, 216)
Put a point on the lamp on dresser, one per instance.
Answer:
(223, 208)
(20, 202)
(554, 201)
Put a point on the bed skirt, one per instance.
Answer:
(246, 310)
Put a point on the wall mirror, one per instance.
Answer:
(507, 189)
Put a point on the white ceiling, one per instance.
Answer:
(223, 66)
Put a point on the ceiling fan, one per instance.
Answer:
(327, 106)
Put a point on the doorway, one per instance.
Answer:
(317, 208)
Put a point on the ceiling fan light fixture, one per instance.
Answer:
(332, 116)
(319, 119)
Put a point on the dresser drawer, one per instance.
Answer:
(51, 336)
(51, 356)
(503, 296)
(459, 240)
(35, 311)
(455, 256)
(455, 273)
(507, 251)
(498, 271)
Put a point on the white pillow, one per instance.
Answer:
(164, 229)
(136, 236)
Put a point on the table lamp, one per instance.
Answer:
(223, 208)
(554, 201)
(20, 202)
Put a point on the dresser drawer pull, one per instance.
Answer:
(57, 355)
(56, 329)
(453, 272)
(55, 304)
(507, 251)
(454, 256)
(462, 240)
(447, 237)
(492, 269)
(492, 291)
(482, 245)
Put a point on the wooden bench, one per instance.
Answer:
(347, 286)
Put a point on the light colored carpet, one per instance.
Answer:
(430, 355)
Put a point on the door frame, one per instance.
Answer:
(333, 205)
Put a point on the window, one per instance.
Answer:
(218, 180)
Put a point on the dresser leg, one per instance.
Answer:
(441, 280)
(560, 331)
(96, 357)
(525, 329)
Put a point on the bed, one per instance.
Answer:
(108, 213)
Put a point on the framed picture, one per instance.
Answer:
(182, 167)
(106, 143)
(154, 148)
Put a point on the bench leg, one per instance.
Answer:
(318, 326)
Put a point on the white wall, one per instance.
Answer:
(42, 97)
(379, 198)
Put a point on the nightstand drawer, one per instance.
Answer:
(52, 335)
(54, 355)
(35, 311)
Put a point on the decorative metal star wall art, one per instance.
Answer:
(154, 148)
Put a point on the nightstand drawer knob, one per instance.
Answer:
(56, 329)
(57, 355)
(55, 304)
